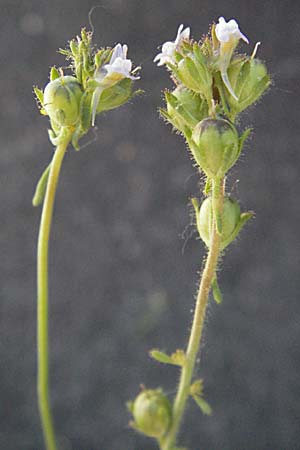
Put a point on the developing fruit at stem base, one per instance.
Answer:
(232, 220)
(152, 413)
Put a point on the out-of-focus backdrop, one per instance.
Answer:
(124, 256)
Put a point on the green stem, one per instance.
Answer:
(42, 297)
(196, 332)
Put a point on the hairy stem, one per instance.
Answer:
(197, 327)
(42, 298)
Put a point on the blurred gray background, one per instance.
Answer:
(124, 256)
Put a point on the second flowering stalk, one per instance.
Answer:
(213, 84)
(100, 81)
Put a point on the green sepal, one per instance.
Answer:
(55, 139)
(203, 405)
(196, 387)
(177, 57)
(185, 109)
(85, 111)
(41, 186)
(244, 217)
(102, 57)
(198, 54)
(115, 96)
(180, 110)
(175, 359)
(242, 139)
(208, 186)
(249, 79)
(195, 204)
(54, 73)
(216, 291)
(74, 47)
(65, 52)
(39, 95)
(193, 72)
(186, 47)
(75, 138)
(215, 41)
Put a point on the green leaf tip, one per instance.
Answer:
(176, 359)
(196, 392)
(216, 291)
(54, 73)
(203, 405)
(40, 190)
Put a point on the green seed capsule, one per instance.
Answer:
(184, 109)
(249, 79)
(215, 146)
(61, 101)
(152, 413)
(230, 219)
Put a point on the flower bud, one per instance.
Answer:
(115, 96)
(62, 100)
(184, 109)
(152, 413)
(215, 146)
(249, 79)
(194, 74)
(230, 220)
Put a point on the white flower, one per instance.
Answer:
(227, 31)
(168, 49)
(118, 68)
(228, 34)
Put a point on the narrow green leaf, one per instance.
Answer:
(161, 357)
(216, 291)
(41, 187)
(203, 405)
(176, 359)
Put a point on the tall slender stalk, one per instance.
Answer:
(42, 298)
(197, 327)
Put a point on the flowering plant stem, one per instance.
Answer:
(42, 298)
(187, 371)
